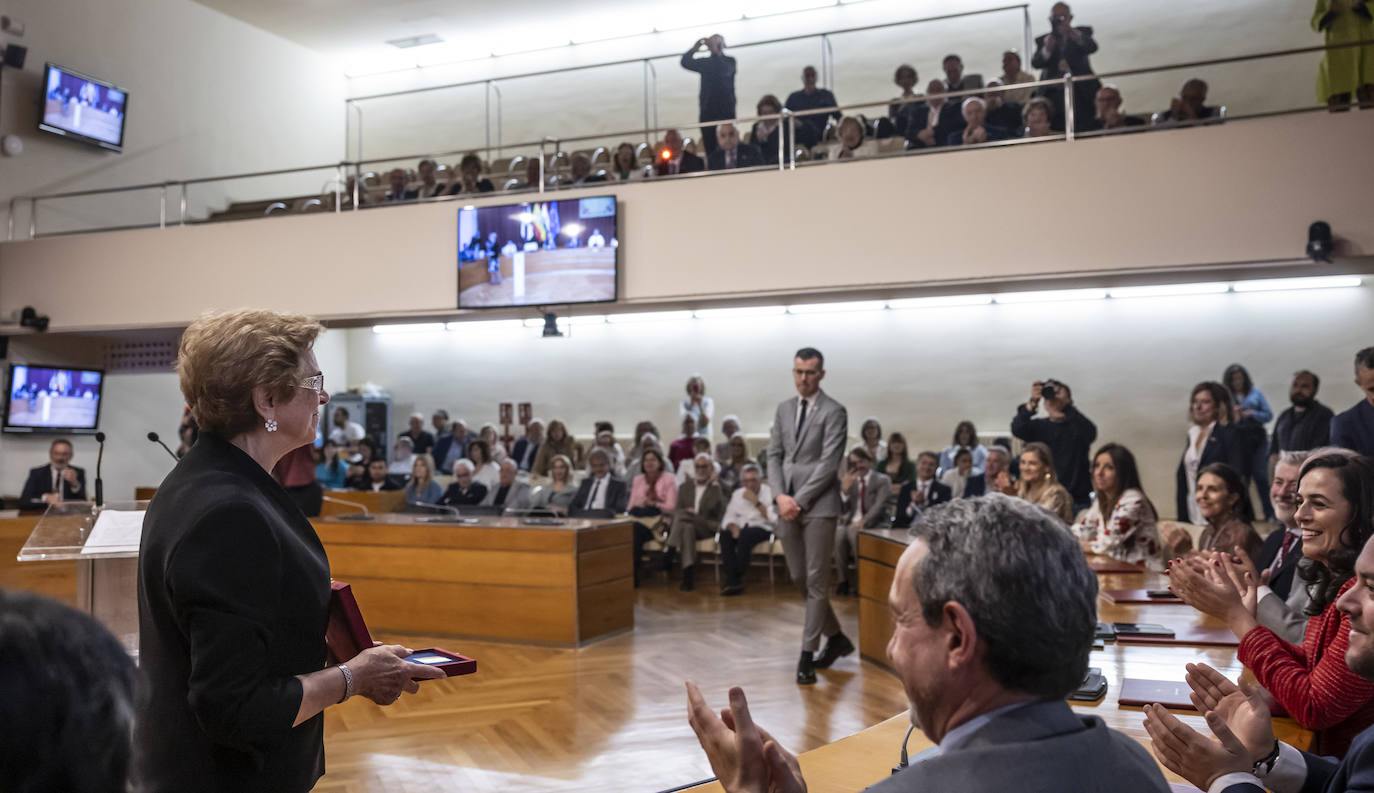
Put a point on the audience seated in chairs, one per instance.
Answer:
(750, 518)
(402, 457)
(558, 441)
(491, 438)
(934, 120)
(897, 463)
(729, 427)
(730, 153)
(993, 610)
(648, 440)
(396, 186)
(464, 492)
(955, 79)
(470, 180)
(864, 493)
(1040, 484)
(429, 185)
(976, 129)
(581, 170)
(732, 470)
(685, 471)
(956, 478)
(1036, 115)
(996, 475)
(765, 132)
(452, 446)
(1211, 439)
(1224, 501)
(508, 493)
(1109, 116)
(378, 478)
(921, 493)
(625, 165)
(557, 493)
(1312, 681)
(331, 471)
(421, 442)
(527, 448)
(1002, 113)
(673, 159)
(965, 437)
(484, 469)
(811, 97)
(684, 448)
(699, 510)
(1121, 522)
(1190, 105)
(422, 489)
(605, 439)
(653, 494)
(899, 112)
(600, 493)
(853, 142)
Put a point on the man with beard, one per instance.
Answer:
(1307, 424)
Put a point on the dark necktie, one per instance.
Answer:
(801, 420)
(591, 497)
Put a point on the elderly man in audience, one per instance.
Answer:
(730, 153)
(421, 442)
(717, 97)
(934, 120)
(527, 447)
(750, 518)
(452, 447)
(1190, 104)
(921, 493)
(1003, 112)
(600, 492)
(863, 495)
(396, 186)
(976, 129)
(1354, 429)
(1280, 600)
(1064, 51)
(699, 445)
(464, 492)
(1109, 115)
(993, 608)
(581, 170)
(1012, 73)
(955, 79)
(440, 422)
(429, 185)
(700, 507)
(996, 475)
(1306, 424)
(673, 159)
(508, 493)
(811, 97)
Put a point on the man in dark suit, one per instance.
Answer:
(375, 480)
(1306, 425)
(810, 97)
(1109, 115)
(1247, 758)
(955, 79)
(1002, 113)
(730, 153)
(717, 98)
(1190, 104)
(805, 448)
(600, 493)
(463, 492)
(1281, 599)
(1067, 432)
(997, 462)
(700, 507)
(1354, 429)
(993, 611)
(451, 447)
(1062, 51)
(976, 127)
(931, 122)
(422, 442)
(527, 447)
(673, 159)
(921, 493)
(59, 480)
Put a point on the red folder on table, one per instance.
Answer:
(347, 635)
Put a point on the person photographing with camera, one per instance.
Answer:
(1067, 432)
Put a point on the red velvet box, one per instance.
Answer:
(347, 635)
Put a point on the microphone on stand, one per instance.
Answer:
(99, 458)
(364, 515)
(444, 508)
(152, 436)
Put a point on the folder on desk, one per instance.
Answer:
(1191, 637)
(1104, 565)
(347, 635)
(1133, 596)
(1126, 630)
(1172, 694)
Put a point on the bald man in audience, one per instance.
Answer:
(993, 609)
(673, 159)
(700, 508)
(730, 153)
(1190, 104)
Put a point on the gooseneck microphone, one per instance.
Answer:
(152, 436)
(99, 458)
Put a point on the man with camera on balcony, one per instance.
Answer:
(1067, 432)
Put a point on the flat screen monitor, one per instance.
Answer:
(53, 399)
(83, 108)
(540, 253)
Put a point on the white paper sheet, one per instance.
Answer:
(115, 531)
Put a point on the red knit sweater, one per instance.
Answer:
(1311, 681)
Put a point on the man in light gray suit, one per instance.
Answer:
(508, 493)
(994, 608)
(804, 454)
(864, 493)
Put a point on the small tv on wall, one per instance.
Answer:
(539, 253)
(83, 108)
(52, 399)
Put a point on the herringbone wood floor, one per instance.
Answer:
(610, 716)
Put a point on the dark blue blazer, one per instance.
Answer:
(994, 133)
(975, 485)
(1329, 775)
(518, 453)
(1354, 429)
(441, 449)
(39, 484)
(939, 494)
(1282, 579)
(1221, 447)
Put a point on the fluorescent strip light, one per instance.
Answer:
(1050, 296)
(1169, 290)
(941, 301)
(833, 308)
(740, 313)
(419, 327)
(649, 316)
(1319, 282)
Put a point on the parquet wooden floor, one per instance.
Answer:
(611, 716)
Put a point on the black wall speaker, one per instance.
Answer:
(14, 56)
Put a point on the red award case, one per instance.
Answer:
(347, 635)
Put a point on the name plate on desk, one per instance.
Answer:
(347, 635)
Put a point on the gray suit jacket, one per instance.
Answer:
(1039, 748)
(517, 498)
(807, 467)
(1285, 617)
(879, 488)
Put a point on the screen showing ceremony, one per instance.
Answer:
(78, 106)
(538, 253)
(51, 399)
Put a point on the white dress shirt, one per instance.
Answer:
(1192, 456)
(598, 492)
(741, 513)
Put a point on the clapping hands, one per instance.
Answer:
(744, 757)
(1239, 718)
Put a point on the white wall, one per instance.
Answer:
(1131, 35)
(1131, 364)
(208, 95)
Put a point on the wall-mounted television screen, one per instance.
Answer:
(53, 399)
(541, 253)
(83, 108)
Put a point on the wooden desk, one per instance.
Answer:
(381, 501)
(54, 579)
(562, 585)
